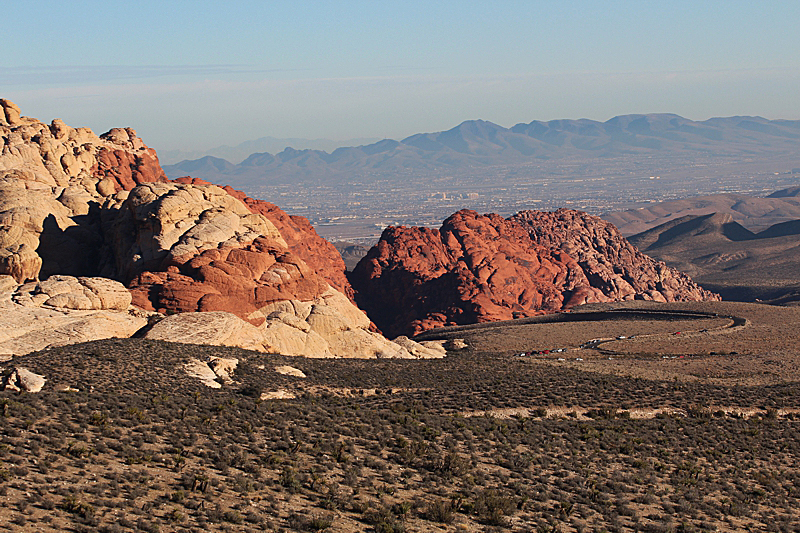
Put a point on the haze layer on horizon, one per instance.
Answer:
(194, 75)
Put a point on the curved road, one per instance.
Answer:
(736, 322)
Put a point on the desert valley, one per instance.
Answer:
(179, 355)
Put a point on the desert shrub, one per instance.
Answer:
(441, 511)
(147, 526)
(313, 523)
(449, 464)
(383, 520)
(289, 480)
(492, 507)
(72, 504)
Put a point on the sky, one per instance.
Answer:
(191, 75)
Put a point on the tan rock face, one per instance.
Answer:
(20, 261)
(217, 328)
(73, 203)
(53, 180)
(478, 268)
(67, 292)
(164, 224)
(64, 310)
(9, 113)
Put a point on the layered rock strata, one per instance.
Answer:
(479, 268)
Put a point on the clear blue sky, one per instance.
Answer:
(196, 74)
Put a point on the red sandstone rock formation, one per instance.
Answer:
(300, 236)
(189, 247)
(126, 170)
(479, 268)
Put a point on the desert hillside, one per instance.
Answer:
(726, 257)
(753, 212)
(658, 432)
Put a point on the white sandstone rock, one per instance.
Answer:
(290, 371)
(22, 379)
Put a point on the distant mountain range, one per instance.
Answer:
(478, 143)
(240, 152)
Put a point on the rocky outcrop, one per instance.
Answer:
(287, 370)
(300, 236)
(214, 328)
(64, 310)
(53, 180)
(73, 203)
(421, 350)
(214, 372)
(21, 379)
(195, 248)
(197, 369)
(612, 264)
(479, 268)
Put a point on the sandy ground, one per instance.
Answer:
(747, 344)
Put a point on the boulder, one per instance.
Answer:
(195, 368)
(7, 284)
(455, 344)
(420, 350)
(436, 346)
(364, 344)
(22, 379)
(9, 113)
(289, 371)
(224, 368)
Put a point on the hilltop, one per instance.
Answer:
(726, 257)
(753, 212)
